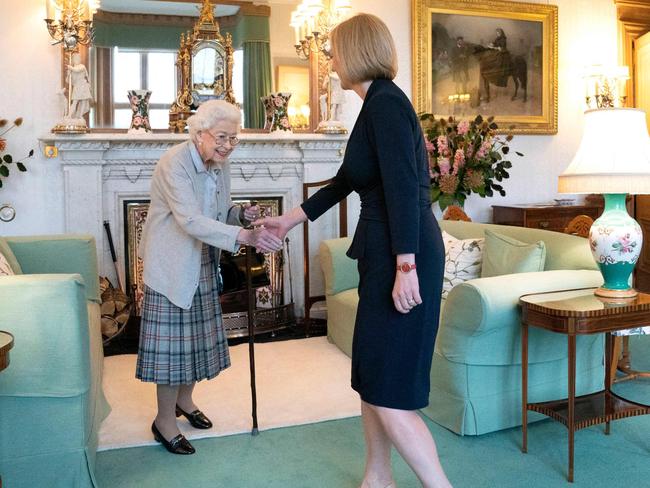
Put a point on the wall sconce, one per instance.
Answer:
(605, 86)
(312, 22)
(69, 23)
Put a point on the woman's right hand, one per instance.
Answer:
(281, 225)
(260, 238)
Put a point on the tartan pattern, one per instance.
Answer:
(180, 346)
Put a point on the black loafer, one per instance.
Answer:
(197, 418)
(178, 445)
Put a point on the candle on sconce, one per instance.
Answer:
(85, 4)
(49, 10)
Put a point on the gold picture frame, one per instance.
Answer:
(461, 62)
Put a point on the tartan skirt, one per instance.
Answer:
(179, 346)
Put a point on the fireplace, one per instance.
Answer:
(103, 171)
(267, 271)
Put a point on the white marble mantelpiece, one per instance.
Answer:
(101, 171)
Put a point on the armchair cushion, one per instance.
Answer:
(9, 256)
(340, 271)
(65, 254)
(507, 255)
(463, 258)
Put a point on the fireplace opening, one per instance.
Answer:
(267, 273)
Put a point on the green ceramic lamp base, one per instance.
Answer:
(615, 239)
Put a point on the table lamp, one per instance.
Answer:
(613, 159)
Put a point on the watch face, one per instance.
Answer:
(405, 267)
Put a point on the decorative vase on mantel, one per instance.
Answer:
(276, 106)
(139, 100)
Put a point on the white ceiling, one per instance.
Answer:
(163, 7)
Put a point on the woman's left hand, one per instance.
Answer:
(251, 212)
(406, 291)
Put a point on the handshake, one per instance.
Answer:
(266, 234)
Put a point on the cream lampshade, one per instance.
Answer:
(614, 159)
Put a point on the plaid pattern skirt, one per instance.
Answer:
(180, 346)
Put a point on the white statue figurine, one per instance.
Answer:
(332, 124)
(80, 96)
(337, 98)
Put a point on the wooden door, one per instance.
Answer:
(642, 99)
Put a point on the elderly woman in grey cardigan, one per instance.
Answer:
(191, 218)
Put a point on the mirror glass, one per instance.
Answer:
(136, 44)
(208, 72)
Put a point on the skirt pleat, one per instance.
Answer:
(179, 346)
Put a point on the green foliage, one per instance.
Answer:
(7, 159)
(465, 157)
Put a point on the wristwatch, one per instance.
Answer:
(405, 267)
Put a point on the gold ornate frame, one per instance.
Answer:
(206, 31)
(423, 10)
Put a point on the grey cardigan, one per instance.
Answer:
(176, 228)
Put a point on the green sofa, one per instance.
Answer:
(476, 371)
(51, 398)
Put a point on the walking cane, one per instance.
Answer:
(251, 335)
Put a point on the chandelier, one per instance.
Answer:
(312, 22)
(69, 22)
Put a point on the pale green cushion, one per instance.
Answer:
(505, 255)
(8, 254)
(56, 254)
(340, 271)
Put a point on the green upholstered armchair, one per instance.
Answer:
(51, 399)
(476, 370)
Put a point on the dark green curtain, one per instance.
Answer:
(257, 81)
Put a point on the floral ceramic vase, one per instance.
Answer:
(139, 100)
(279, 107)
(268, 112)
(615, 239)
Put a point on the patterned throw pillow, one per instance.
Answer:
(5, 269)
(463, 259)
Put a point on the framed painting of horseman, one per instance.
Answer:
(487, 57)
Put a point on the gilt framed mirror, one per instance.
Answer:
(137, 43)
(204, 65)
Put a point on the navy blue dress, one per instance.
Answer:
(386, 163)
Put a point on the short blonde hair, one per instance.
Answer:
(364, 49)
(210, 113)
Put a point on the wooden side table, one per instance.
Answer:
(6, 343)
(576, 312)
(547, 217)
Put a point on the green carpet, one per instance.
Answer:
(331, 454)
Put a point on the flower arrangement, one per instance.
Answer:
(465, 158)
(7, 160)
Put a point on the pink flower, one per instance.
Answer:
(429, 145)
(484, 149)
(463, 128)
(284, 122)
(443, 145)
(459, 158)
(444, 165)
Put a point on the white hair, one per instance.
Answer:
(211, 113)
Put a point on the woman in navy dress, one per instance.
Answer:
(399, 250)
